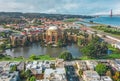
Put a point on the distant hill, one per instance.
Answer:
(10, 17)
(38, 15)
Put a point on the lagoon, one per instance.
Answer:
(36, 49)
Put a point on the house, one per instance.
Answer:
(90, 75)
(8, 65)
(37, 67)
(106, 78)
(91, 64)
(21, 66)
(115, 64)
(81, 65)
(59, 63)
(106, 62)
(58, 74)
(117, 45)
(9, 76)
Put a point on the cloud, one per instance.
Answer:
(50, 11)
(70, 6)
(15, 6)
(86, 7)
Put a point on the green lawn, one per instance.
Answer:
(86, 58)
(70, 20)
(112, 56)
(40, 57)
(107, 30)
(45, 57)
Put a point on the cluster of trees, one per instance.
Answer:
(27, 75)
(13, 68)
(2, 46)
(83, 41)
(104, 70)
(15, 17)
(116, 76)
(5, 34)
(108, 29)
(66, 55)
(8, 20)
(96, 48)
(38, 15)
(60, 43)
(33, 57)
(101, 69)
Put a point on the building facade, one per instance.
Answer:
(53, 34)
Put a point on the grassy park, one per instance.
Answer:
(31, 58)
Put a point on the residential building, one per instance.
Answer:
(90, 75)
(91, 64)
(115, 64)
(81, 65)
(9, 76)
(58, 74)
(106, 78)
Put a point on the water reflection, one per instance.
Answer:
(38, 50)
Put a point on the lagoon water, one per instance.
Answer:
(113, 21)
(38, 50)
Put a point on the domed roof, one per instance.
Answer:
(53, 28)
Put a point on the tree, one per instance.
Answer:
(32, 78)
(28, 79)
(13, 68)
(95, 48)
(28, 73)
(22, 74)
(33, 57)
(66, 55)
(80, 73)
(59, 43)
(116, 77)
(2, 46)
(82, 42)
(101, 68)
(108, 73)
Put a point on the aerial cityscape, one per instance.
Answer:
(59, 40)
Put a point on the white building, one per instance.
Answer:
(115, 64)
(117, 45)
(90, 75)
(9, 76)
(91, 64)
(81, 65)
(57, 74)
(105, 78)
(38, 66)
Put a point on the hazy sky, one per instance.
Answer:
(84, 7)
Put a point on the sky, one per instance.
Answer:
(76, 7)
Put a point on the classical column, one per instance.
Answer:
(51, 38)
(75, 38)
(46, 38)
(56, 39)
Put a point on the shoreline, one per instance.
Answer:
(48, 57)
(91, 22)
(84, 24)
